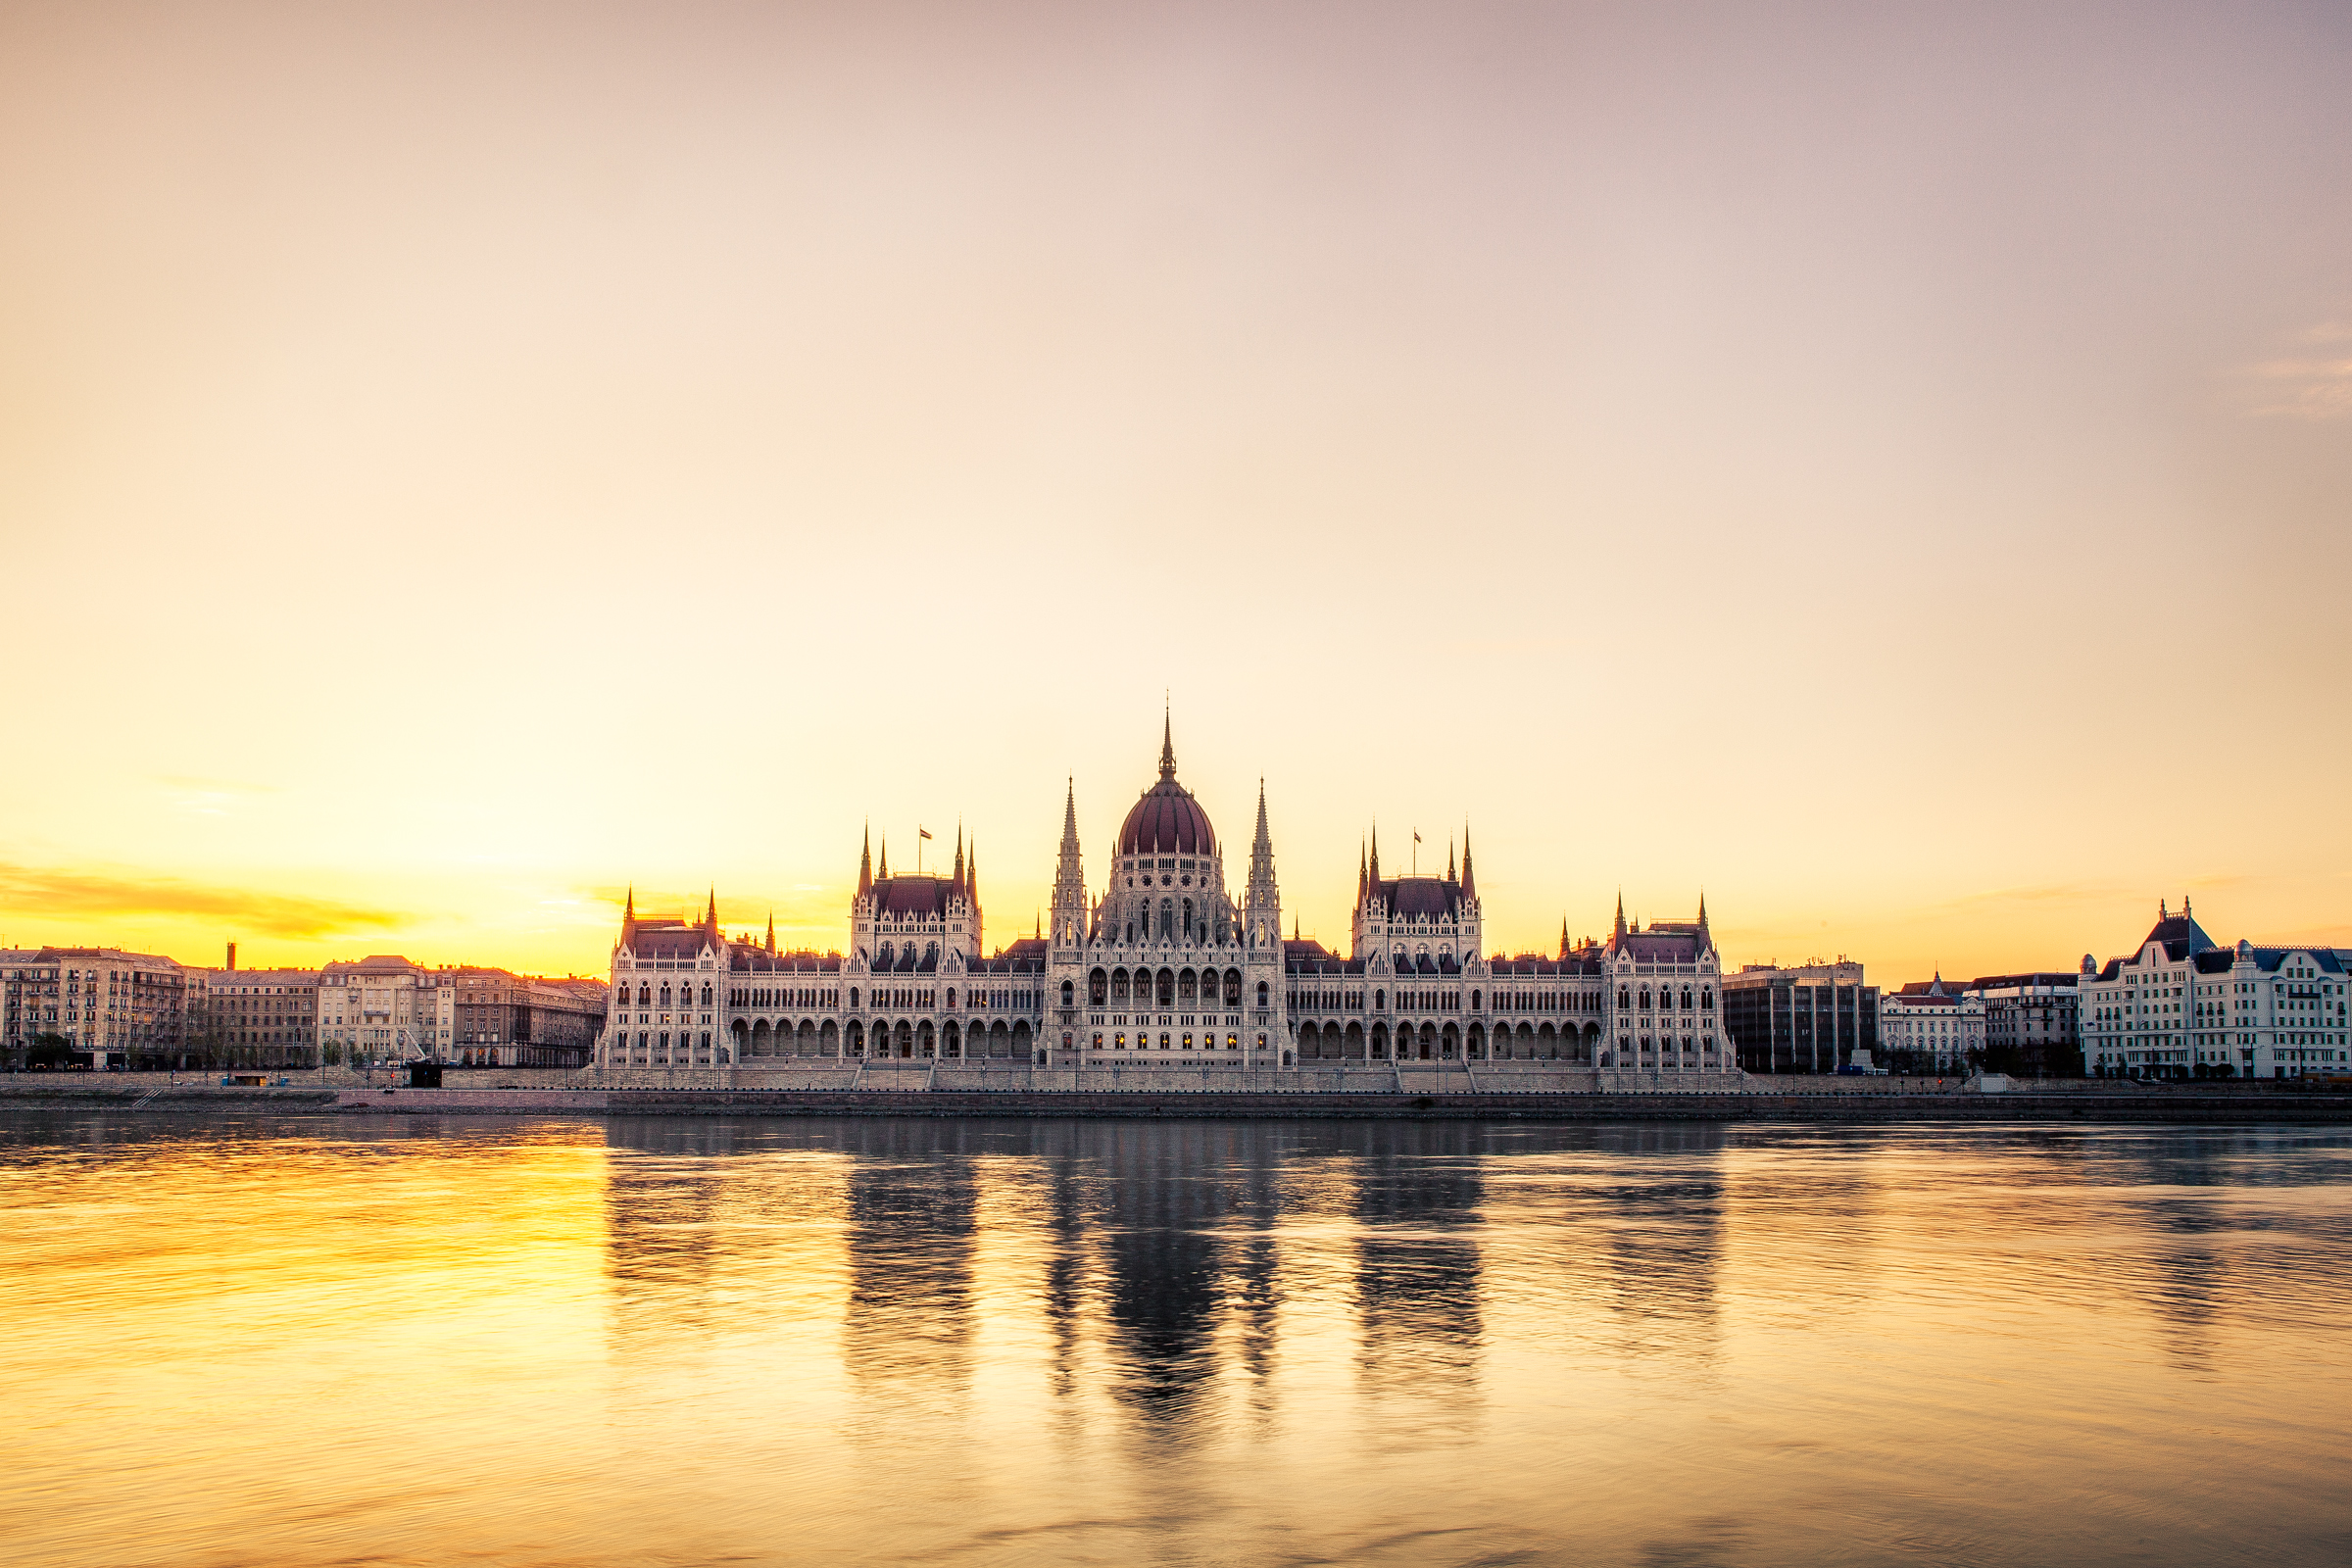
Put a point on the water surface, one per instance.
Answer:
(294, 1340)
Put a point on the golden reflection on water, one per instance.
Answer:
(315, 1340)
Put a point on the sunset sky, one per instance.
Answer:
(1889, 467)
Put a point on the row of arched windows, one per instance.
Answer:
(1165, 988)
(645, 995)
(1627, 996)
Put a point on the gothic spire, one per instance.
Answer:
(885, 871)
(1621, 911)
(771, 933)
(971, 875)
(1069, 818)
(1563, 936)
(711, 914)
(628, 918)
(1167, 745)
(1376, 857)
(865, 865)
(1469, 882)
(1449, 859)
(1359, 873)
(955, 883)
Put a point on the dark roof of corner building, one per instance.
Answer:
(1420, 895)
(1656, 947)
(1305, 950)
(1309, 958)
(668, 938)
(2181, 935)
(912, 895)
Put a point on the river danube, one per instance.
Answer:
(651, 1341)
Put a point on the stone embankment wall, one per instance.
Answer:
(1216, 1092)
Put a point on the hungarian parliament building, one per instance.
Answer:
(1163, 966)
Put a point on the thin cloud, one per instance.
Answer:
(2313, 387)
(84, 895)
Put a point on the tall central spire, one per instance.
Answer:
(1168, 746)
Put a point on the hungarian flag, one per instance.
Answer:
(923, 832)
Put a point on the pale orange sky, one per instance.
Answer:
(1888, 468)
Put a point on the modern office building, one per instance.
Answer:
(1804, 1018)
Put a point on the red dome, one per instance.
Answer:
(1167, 821)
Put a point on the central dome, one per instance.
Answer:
(1167, 821)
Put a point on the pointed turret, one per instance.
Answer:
(1069, 875)
(1469, 881)
(1621, 911)
(1376, 856)
(771, 933)
(955, 881)
(1168, 746)
(1262, 898)
(884, 873)
(628, 918)
(1563, 936)
(1359, 873)
(1705, 937)
(1450, 860)
(865, 865)
(710, 919)
(972, 879)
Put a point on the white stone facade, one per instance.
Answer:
(2184, 1006)
(1162, 964)
(1937, 1023)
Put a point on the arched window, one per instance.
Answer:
(950, 998)
(1380, 999)
(645, 996)
(1167, 919)
(1233, 988)
(1473, 1002)
(1261, 1002)
(882, 961)
(706, 993)
(853, 996)
(1131, 931)
(1098, 987)
(1686, 999)
(665, 993)
(1167, 988)
(1188, 920)
(1625, 999)
(1706, 999)
(1068, 996)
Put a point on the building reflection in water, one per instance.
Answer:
(662, 1216)
(1418, 1209)
(1662, 1229)
(910, 1315)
